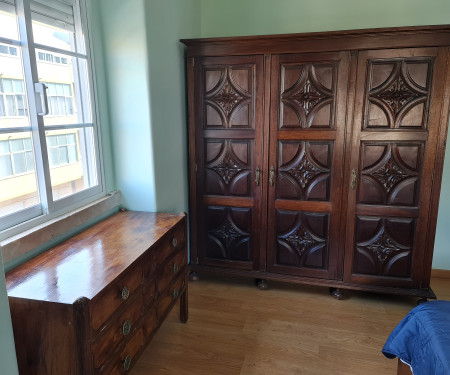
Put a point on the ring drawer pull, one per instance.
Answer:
(126, 328)
(127, 363)
(175, 268)
(175, 293)
(125, 293)
(174, 242)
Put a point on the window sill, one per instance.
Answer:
(19, 245)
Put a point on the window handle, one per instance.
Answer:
(41, 89)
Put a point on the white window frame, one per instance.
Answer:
(18, 222)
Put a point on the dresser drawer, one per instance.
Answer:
(171, 269)
(150, 293)
(170, 295)
(124, 358)
(114, 296)
(150, 322)
(119, 329)
(171, 243)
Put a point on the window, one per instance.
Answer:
(12, 98)
(49, 57)
(49, 153)
(62, 149)
(8, 50)
(16, 157)
(59, 99)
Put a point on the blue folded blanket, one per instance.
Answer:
(422, 339)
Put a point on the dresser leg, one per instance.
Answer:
(337, 293)
(184, 306)
(262, 284)
(194, 276)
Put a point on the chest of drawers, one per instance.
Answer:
(91, 304)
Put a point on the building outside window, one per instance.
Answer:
(49, 146)
(12, 98)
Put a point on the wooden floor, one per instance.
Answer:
(236, 329)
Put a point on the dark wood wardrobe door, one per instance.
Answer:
(228, 147)
(308, 106)
(395, 132)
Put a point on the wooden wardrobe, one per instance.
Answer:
(317, 158)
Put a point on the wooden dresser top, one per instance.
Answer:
(85, 264)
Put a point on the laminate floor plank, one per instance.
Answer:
(236, 329)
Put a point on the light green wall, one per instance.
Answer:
(167, 22)
(255, 17)
(123, 35)
(8, 363)
(146, 102)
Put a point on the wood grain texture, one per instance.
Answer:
(59, 275)
(235, 329)
(351, 124)
(129, 265)
(346, 40)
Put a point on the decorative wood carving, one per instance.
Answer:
(302, 239)
(307, 92)
(227, 167)
(353, 126)
(228, 233)
(390, 173)
(398, 93)
(384, 246)
(305, 170)
(228, 96)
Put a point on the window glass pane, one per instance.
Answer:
(53, 36)
(10, 106)
(30, 160)
(62, 105)
(4, 49)
(72, 151)
(13, 108)
(52, 140)
(17, 145)
(80, 173)
(27, 143)
(8, 22)
(7, 85)
(4, 147)
(67, 91)
(20, 165)
(51, 89)
(19, 190)
(5, 167)
(13, 51)
(61, 140)
(53, 157)
(53, 104)
(59, 89)
(63, 157)
(69, 107)
(71, 139)
(68, 96)
(18, 86)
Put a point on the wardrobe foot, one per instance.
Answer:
(422, 300)
(262, 284)
(337, 293)
(194, 276)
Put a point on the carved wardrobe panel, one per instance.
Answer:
(229, 106)
(317, 158)
(394, 145)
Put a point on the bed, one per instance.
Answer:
(421, 341)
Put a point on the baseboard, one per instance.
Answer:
(443, 274)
